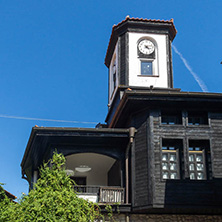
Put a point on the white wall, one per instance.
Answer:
(100, 165)
(160, 77)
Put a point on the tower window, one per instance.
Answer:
(199, 160)
(147, 54)
(171, 159)
(113, 73)
(114, 80)
(146, 68)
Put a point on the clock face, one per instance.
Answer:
(146, 47)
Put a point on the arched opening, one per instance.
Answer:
(98, 177)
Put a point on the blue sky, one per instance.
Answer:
(52, 62)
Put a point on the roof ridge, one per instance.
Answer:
(142, 19)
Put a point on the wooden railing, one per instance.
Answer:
(105, 194)
(111, 195)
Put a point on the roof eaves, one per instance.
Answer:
(174, 93)
(36, 130)
(9, 195)
(33, 133)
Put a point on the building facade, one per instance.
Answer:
(159, 155)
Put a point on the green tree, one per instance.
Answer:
(4, 204)
(53, 198)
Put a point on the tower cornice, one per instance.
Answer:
(138, 25)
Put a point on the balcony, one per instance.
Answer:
(101, 194)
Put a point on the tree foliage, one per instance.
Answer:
(52, 199)
(4, 204)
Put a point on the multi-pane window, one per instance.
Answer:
(196, 163)
(197, 118)
(171, 118)
(199, 160)
(170, 159)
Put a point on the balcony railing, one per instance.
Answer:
(101, 194)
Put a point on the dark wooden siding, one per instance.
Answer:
(149, 189)
(140, 190)
(216, 144)
(185, 192)
(169, 62)
(123, 58)
(141, 167)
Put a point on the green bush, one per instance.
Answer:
(52, 199)
(4, 204)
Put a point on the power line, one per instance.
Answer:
(46, 120)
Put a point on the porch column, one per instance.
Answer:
(35, 176)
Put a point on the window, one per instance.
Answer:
(199, 118)
(147, 55)
(171, 118)
(146, 68)
(199, 160)
(114, 75)
(171, 159)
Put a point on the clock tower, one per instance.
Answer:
(139, 55)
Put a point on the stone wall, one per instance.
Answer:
(167, 218)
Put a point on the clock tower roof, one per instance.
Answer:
(138, 25)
